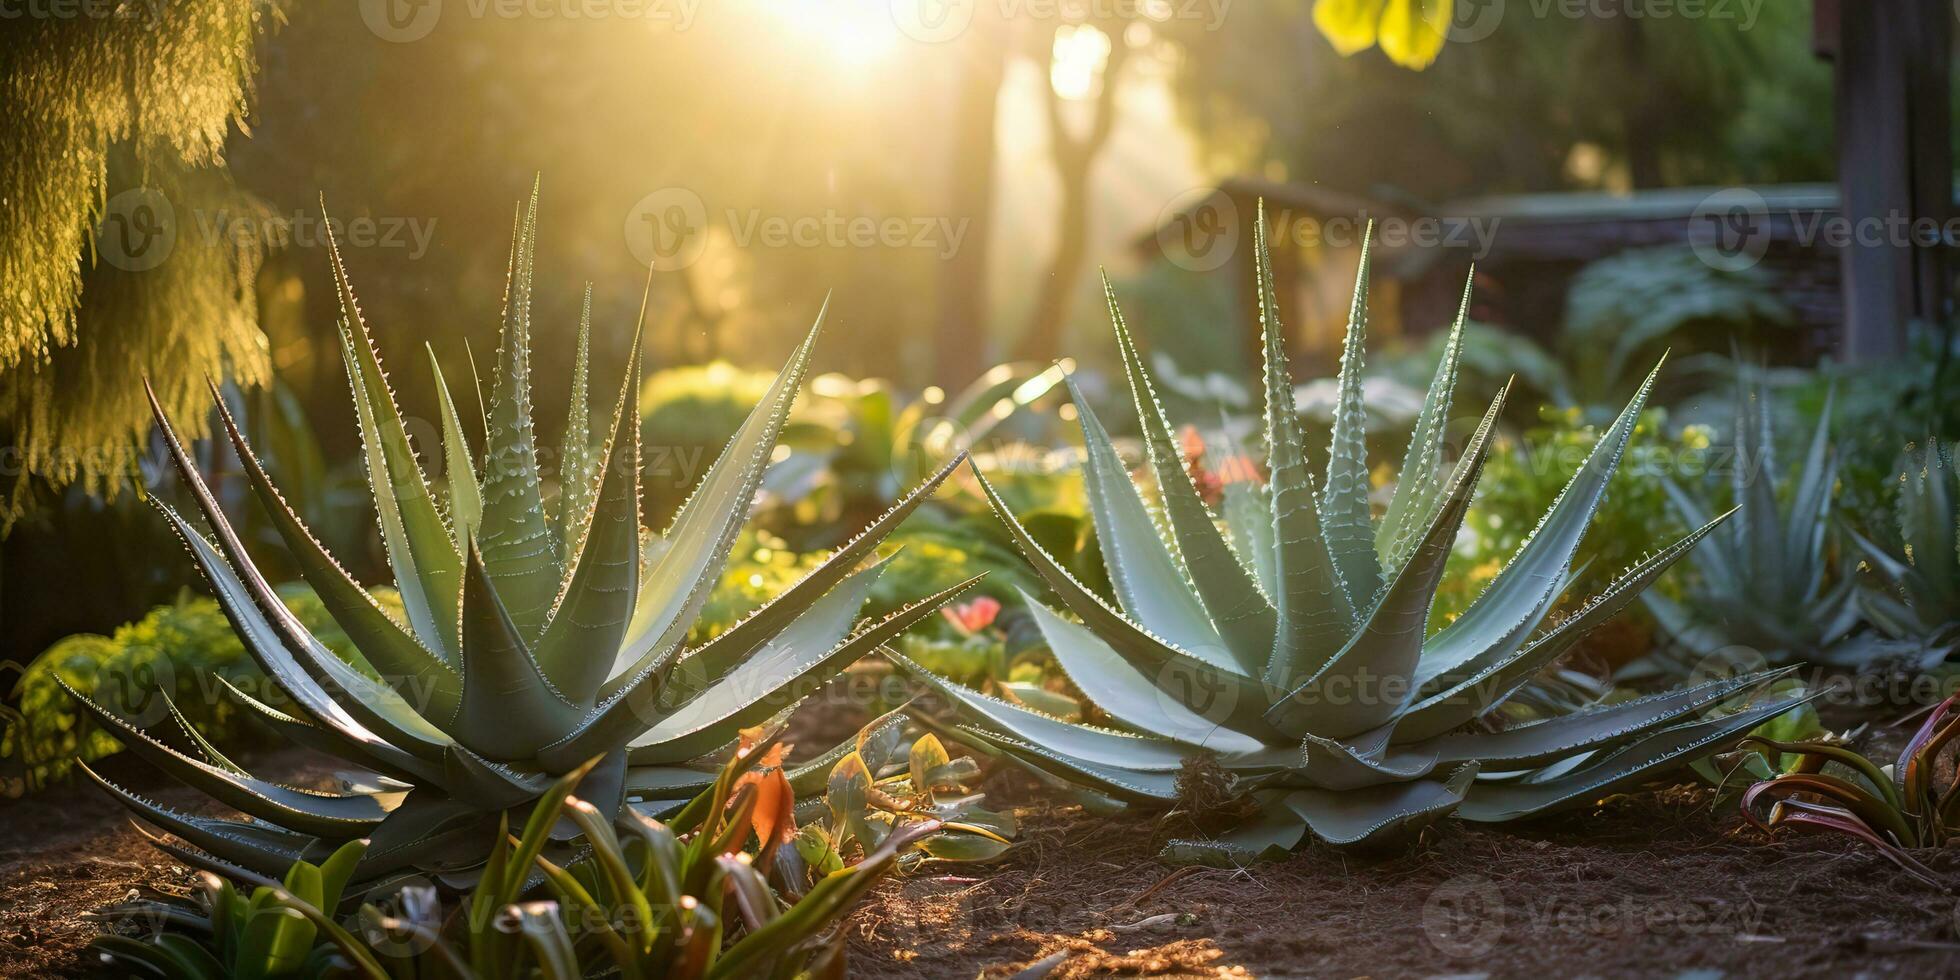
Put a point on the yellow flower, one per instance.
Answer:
(1410, 32)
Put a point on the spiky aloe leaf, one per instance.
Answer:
(1239, 610)
(1366, 684)
(1476, 692)
(1344, 510)
(578, 465)
(590, 619)
(734, 703)
(706, 527)
(1267, 836)
(1379, 815)
(1753, 480)
(1545, 742)
(1095, 745)
(1420, 480)
(1248, 512)
(509, 707)
(784, 672)
(1361, 761)
(1148, 582)
(395, 655)
(1810, 506)
(465, 495)
(723, 653)
(1629, 765)
(1129, 785)
(1500, 618)
(323, 814)
(428, 571)
(1315, 610)
(333, 693)
(517, 545)
(1178, 711)
(1242, 697)
(255, 846)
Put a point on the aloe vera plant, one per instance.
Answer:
(1288, 653)
(679, 900)
(1761, 578)
(533, 642)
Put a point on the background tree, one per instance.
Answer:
(121, 251)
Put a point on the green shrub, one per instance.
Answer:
(686, 415)
(1522, 477)
(181, 648)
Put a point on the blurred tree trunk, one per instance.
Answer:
(960, 348)
(1041, 340)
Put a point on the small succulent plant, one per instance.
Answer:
(875, 792)
(1832, 789)
(537, 639)
(1288, 655)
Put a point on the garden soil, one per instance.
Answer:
(1660, 883)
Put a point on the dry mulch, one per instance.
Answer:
(1658, 883)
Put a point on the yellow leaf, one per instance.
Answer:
(1413, 31)
(1348, 24)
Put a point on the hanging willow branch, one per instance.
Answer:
(99, 104)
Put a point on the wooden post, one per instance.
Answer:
(1894, 163)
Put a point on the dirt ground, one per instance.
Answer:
(1651, 884)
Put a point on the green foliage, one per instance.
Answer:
(512, 664)
(1288, 655)
(638, 898)
(686, 415)
(1890, 405)
(854, 444)
(1524, 475)
(181, 649)
(1914, 593)
(1640, 303)
(109, 115)
(876, 792)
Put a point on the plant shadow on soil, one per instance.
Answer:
(1655, 883)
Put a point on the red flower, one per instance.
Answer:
(972, 617)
